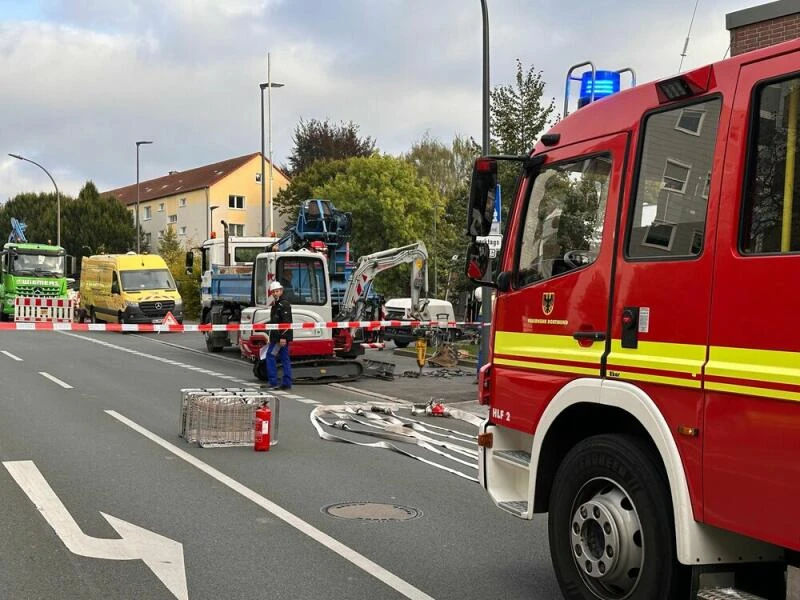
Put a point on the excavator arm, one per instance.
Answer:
(369, 266)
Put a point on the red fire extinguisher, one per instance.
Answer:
(262, 423)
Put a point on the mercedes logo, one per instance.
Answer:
(158, 305)
(37, 291)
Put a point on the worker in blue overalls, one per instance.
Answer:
(281, 312)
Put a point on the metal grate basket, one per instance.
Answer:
(224, 417)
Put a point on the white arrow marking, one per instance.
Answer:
(163, 555)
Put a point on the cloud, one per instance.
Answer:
(85, 79)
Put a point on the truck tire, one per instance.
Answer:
(610, 526)
(211, 345)
(93, 316)
(400, 344)
(260, 370)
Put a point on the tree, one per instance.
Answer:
(447, 170)
(91, 224)
(302, 186)
(517, 113)
(321, 140)
(517, 116)
(391, 207)
(173, 253)
(39, 213)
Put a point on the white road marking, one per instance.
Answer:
(9, 355)
(163, 555)
(175, 363)
(55, 380)
(362, 562)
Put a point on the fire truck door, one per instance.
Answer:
(551, 327)
(662, 292)
(752, 434)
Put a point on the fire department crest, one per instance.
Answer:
(548, 302)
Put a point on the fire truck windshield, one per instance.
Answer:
(564, 218)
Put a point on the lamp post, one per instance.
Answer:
(267, 86)
(211, 210)
(138, 235)
(58, 196)
(486, 305)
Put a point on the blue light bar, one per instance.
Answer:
(605, 83)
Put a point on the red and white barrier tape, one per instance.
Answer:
(157, 328)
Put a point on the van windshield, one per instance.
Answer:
(147, 279)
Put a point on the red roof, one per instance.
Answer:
(181, 181)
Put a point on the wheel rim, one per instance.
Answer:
(606, 539)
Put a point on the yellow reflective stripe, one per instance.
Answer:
(544, 346)
(771, 366)
(660, 356)
(674, 381)
(752, 391)
(546, 367)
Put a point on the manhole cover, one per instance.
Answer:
(371, 511)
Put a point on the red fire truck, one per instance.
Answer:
(643, 379)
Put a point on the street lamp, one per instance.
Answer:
(211, 209)
(58, 196)
(138, 241)
(486, 307)
(268, 86)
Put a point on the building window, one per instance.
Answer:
(173, 219)
(235, 229)
(182, 230)
(182, 202)
(148, 213)
(258, 177)
(161, 207)
(148, 239)
(235, 201)
(771, 214)
(669, 212)
(160, 234)
(676, 175)
(690, 121)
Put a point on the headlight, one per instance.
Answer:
(131, 304)
(178, 305)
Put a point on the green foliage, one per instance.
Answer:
(446, 170)
(391, 207)
(518, 116)
(302, 186)
(174, 254)
(322, 140)
(517, 113)
(89, 224)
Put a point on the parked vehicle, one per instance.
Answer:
(29, 270)
(643, 377)
(400, 309)
(128, 288)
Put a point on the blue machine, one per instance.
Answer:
(17, 234)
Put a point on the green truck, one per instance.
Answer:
(31, 270)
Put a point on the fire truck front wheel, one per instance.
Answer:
(610, 524)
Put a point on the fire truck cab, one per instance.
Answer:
(643, 377)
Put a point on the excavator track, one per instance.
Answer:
(319, 370)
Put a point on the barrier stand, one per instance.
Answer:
(34, 309)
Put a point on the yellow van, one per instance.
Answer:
(128, 288)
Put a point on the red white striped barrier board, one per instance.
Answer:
(28, 309)
(379, 345)
(148, 328)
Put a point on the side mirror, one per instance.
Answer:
(189, 262)
(504, 281)
(481, 197)
(478, 263)
(70, 266)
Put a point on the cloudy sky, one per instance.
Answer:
(82, 80)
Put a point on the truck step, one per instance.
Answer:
(726, 594)
(518, 457)
(518, 508)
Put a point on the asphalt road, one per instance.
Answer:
(247, 524)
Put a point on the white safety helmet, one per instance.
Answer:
(275, 285)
